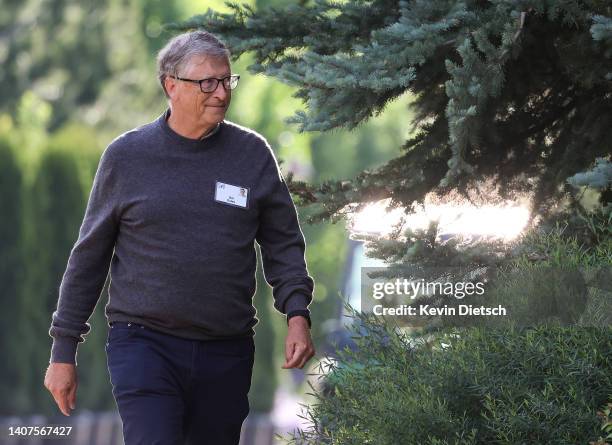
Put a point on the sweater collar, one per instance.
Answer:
(163, 123)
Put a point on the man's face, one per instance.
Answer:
(189, 101)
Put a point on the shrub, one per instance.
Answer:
(540, 385)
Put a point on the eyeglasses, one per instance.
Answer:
(210, 84)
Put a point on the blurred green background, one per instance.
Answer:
(76, 74)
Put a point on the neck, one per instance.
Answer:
(188, 128)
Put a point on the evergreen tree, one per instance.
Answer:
(598, 178)
(515, 92)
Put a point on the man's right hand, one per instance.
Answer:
(61, 381)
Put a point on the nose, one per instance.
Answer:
(220, 92)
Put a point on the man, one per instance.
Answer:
(175, 208)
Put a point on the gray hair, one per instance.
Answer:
(177, 53)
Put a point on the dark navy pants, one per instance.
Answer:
(172, 391)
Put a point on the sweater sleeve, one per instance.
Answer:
(282, 244)
(88, 264)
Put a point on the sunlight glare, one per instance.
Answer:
(500, 222)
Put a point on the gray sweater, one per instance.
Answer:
(176, 219)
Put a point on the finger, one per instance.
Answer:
(289, 351)
(305, 357)
(297, 357)
(62, 403)
(288, 362)
(72, 397)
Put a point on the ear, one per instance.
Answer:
(170, 85)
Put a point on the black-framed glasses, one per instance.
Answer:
(210, 84)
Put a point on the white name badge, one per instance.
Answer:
(231, 194)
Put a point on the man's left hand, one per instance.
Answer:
(298, 345)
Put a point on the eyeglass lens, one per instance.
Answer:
(210, 85)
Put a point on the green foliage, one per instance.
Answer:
(606, 425)
(568, 265)
(579, 239)
(474, 386)
(90, 60)
(487, 384)
(54, 206)
(516, 92)
(557, 273)
(11, 274)
(55, 50)
(600, 177)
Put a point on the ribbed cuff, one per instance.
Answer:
(303, 312)
(297, 301)
(63, 350)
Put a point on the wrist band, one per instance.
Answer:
(303, 312)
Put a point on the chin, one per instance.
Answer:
(215, 119)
